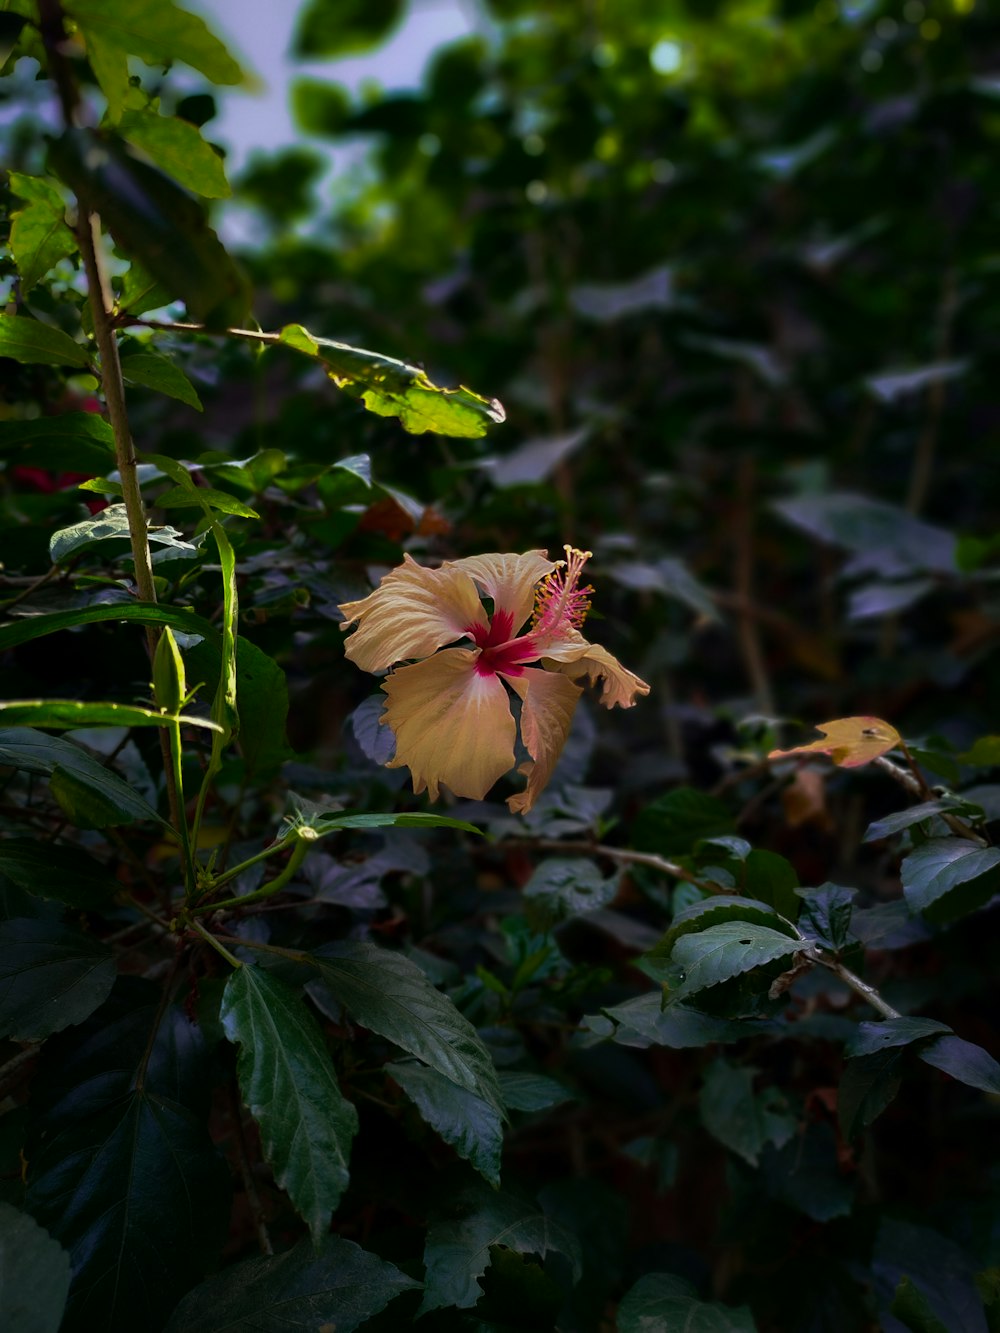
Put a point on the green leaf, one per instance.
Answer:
(805, 1174)
(723, 951)
(915, 814)
(674, 822)
(530, 1092)
(772, 879)
(663, 1303)
(122, 1171)
(261, 697)
(563, 887)
(826, 914)
(76, 441)
(63, 713)
(178, 148)
(39, 236)
(153, 220)
(870, 1038)
(913, 1310)
(109, 64)
(711, 911)
(34, 752)
(457, 1252)
(323, 825)
(946, 877)
(289, 1084)
(389, 994)
(138, 613)
(328, 28)
(468, 1123)
(205, 497)
(964, 1061)
(741, 1120)
(109, 524)
(50, 870)
(141, 292)
(642, 1022)
(34, 1275)
(159, 32)
(337, 1285)
(31, 342)
(391, 388)
(867, 1086)
(153, 371)
(985, 753)
(51, 976)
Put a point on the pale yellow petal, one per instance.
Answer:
(548, 703)
(573, 656)
(510, 580)
(451, 724)
(411, 613)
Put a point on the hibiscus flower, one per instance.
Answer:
(450, 710)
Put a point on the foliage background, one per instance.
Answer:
(732, 270)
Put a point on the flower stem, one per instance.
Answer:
(209, 938)
(271, 887)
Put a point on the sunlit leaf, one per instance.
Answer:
(30, 341)
(391, 388)
(153, 371)
(179, 149)
(849, 741)
(62, 713)
(39, 236)
(158, 31)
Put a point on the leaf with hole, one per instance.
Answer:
(849, 741)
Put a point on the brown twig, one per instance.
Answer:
(627, 857)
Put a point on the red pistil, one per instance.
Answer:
(507, 659)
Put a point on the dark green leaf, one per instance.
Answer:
(261, 697)
(139, 613)
(123, 1172)
(153, 371)
(50, 870)
(773, 880)
(643, 1022)
(30, 341)
(806, 1174)
(740, 1119)
(947, 877)
(569, 886)
(34, 1275)
(530, 1092)
(159, 32)
(391, 388)
(673, 823)
(177, 147)
(77, 441)
(964, 1061)
(205, 497)
(152, 218)
(34, 752)
(826, 914)
(329, 28)
(870, 1038)
(289, 1084)
(939, 1270)
(458, 1249)
(471, 1125)
(63, 713)
(663, 1303)
(51, 976)
(389, 994)
(338, 1286)
(723, 951)
(867, 1086)
(902, 819)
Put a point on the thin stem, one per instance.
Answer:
(209, 938)
(275, 847)
(852, 980)
(32, 587)
(161, 1009)
(913, 781)
(273, 886)
(627, 857)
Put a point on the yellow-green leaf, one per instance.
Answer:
(31, 342)
(849, 741)
(178, 147)
(159, 32)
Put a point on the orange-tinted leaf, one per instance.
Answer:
(849, 741)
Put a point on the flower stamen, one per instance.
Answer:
(560, 601)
